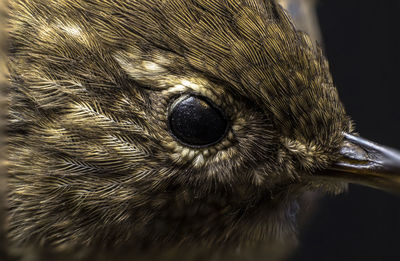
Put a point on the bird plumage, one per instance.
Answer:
(92, 160)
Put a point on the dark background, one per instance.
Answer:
(362, 43)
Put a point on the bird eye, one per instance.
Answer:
(197, 122)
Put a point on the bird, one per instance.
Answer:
(162, 124)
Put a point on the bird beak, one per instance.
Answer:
(367, 163)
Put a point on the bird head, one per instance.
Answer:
(170, 122)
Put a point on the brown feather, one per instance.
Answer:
(93, 164)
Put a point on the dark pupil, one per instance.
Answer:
(194, 121)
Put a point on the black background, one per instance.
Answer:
(362, 43)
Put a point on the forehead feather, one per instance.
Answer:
(250, 44)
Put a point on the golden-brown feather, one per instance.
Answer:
(93, 163)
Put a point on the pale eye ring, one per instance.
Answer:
(196, 121)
